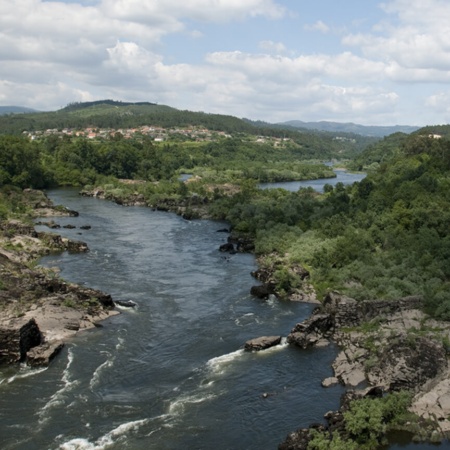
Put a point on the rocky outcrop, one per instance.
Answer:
(38, 309)
(391, 345)
(347, 312)
(408, 362)
(262, 343)
(312, 330)
(17, 337)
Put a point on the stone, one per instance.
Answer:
(261, 291)
(330, 381)
(311, 331)
(17, 337)
(43, 354)
(262, 343)
(125, 303)
(228, 247)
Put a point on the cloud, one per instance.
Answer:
(55, 52)
(318, 26)
(158, 12)
(272, 47)
(414, 40)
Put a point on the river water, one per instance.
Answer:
(171, 373)
(342, 176)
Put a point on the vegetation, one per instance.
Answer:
(366, 423)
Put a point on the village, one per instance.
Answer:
(157, 134)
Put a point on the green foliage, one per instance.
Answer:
(20, 163)
(322, 441)
(366, 423)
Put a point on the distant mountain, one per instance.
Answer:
(15, 110)
(364, 130)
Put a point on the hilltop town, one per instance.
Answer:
(156, 133)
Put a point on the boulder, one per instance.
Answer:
(228, 247)
(17, 337)
(261, 291)
(262, 343)
(43, 354)
(125, 303)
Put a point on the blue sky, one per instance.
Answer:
(370, 62)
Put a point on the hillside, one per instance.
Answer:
(114, 115)
(15, 110)
(363, 130)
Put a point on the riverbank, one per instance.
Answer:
(386, 347)
(40, 311)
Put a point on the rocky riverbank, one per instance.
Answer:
(386, 346)
(40, 311)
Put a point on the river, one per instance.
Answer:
(342, 176)
(171, 373)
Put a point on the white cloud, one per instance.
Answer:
(272, 47)
(158, 12)
(415, 40)
(318, 26)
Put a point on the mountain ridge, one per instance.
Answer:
(350, 127)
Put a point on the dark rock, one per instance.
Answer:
(69, 226)
(261, 291)
(262, 343)
(77, 247)
(16, 338)
(228, 247)
(223, 230)
(310, 331)
(85, 227)
(125, 303)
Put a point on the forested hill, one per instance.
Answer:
(391, 146)
(115, 114)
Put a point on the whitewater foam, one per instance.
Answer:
(24, 372)
(219, 364)
(96, 375)
(108, 439)
(59, 397)
(179, 405)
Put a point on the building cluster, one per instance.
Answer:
(158, 134)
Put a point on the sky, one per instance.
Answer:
(364, 61)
